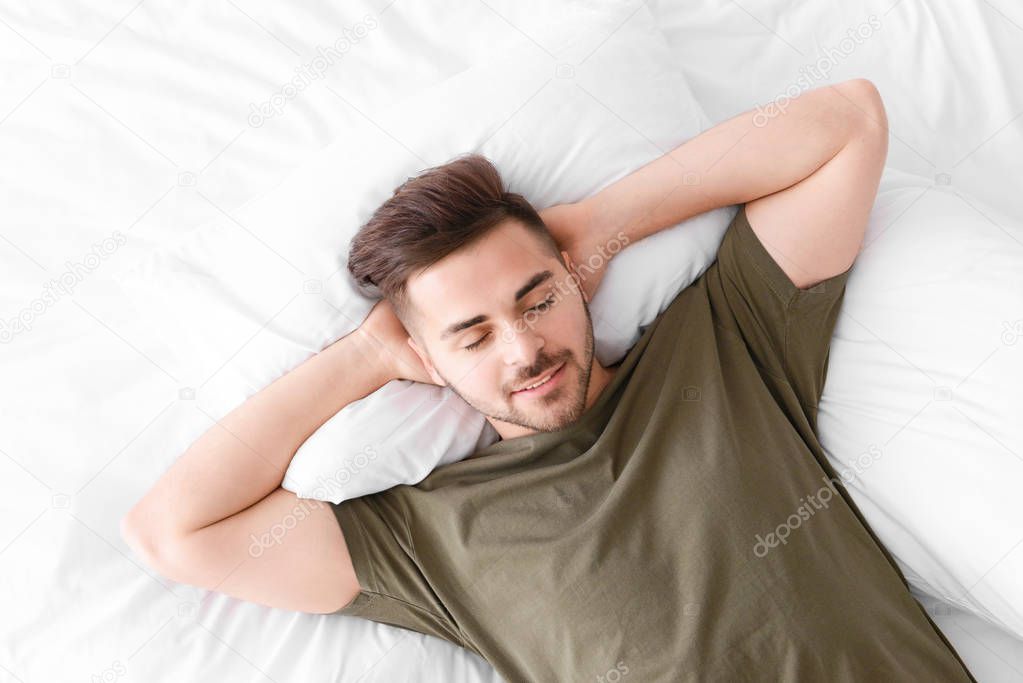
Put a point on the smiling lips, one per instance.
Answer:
(541, 382)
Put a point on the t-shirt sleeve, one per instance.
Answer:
(787, 329)
(394, 589)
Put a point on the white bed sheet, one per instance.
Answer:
(990, 653)
(94, 139)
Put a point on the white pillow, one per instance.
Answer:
(920, 414)
(245, 299)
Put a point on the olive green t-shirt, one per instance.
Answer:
(687, 527)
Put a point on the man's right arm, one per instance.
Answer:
(218, 517)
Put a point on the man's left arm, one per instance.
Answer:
(807, 173)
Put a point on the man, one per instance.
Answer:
(669, 518)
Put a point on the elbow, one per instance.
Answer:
(142, 541)
(129, 530)
(870, 110)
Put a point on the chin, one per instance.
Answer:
(554, 417)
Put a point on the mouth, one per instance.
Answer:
(543, 384)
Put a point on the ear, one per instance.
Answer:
(425, 359)
(575, 273)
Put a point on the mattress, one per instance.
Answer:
(99, 136)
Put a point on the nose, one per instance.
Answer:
(520, 346)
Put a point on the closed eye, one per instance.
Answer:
(541, 307)
(476, 344)
(545, 304)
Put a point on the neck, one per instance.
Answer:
(600, 377)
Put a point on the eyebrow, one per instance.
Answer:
(522, 291)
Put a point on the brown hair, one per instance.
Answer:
(430, 216)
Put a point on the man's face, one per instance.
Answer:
(499, 315)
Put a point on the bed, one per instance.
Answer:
(136, 122)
